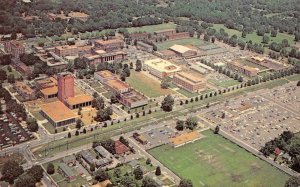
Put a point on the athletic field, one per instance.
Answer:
(215, 161)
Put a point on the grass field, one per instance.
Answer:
(152, 28)
(186, 41)
(295, 77)
(215, 161)
(146, 85)
(254, 37)
(224, 83)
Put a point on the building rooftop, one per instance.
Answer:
(120, 147)
(107, 42)
(47, 82)
(162, 65)
(180, 48)
(103, 152)
(50, 90)
(63, 47)
(99, 51)
(133, 96)
(105, 73)
(190, 77)
(66, 169)
(167, 52)
(117, 84)
(185, 138)
(79, 99)
(165, 30)
(21, 86)
(57, 111)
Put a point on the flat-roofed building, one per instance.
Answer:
(24, 90)
(103, 152)
(139, 36)
(79, 101)
(165, 32)
(66, 171)
(246, 70)
(66, 50)
(14, 47)
(50, 92)
(97, 57)
(189, 81)
(117, 86)
(109, 45)
(22, 68)
(104, 76)
(133, 99)
(184, 138)
(45, 82)
(58, 114)
(183, 51)
(144, 47)
(166, 54)
(161, 68)
(177, 36)
(271, 64)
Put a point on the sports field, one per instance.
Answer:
(215, 161)
(146, 85)
(186, 41)
(152, 28)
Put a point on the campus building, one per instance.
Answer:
(47, 87)
(65, 86)
(189, 81)
(183, 51)
(14, 47)
(144, 47)
(165, 32)
(72, 50)
(58, 114)
(139, 36)
(22, 68)
(79, 101)
(178, 36)
(100, 56)
(117, 86)
(268, 63)
(24, 90)
(161, 68)
(246, 70)
(109, 45)
(104, 76)
(133, 99)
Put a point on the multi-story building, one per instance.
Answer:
(139, 36)
(104, 76)
(189, 81)
(72, 50)
(24, 90)
(105, 57)
(109, 45)
(133, 99)
(270, 64)
(58, 114)
(246, 70)
(15, 48)
(79, 101)
(177, 36)
(65, 86)
(117, 86)
(161, 68)
(145, 47)
(183, 51)
(22, 68)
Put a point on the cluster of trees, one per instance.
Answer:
(167, 103)
(288, 143)
(32, 124)
(13, 173)
(104, 114)
(5, 59)
(190, 123)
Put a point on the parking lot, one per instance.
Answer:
(255, 119)
(12, 132)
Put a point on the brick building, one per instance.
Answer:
(139, 36)
(246, 70)
(109, 45)
(14, 47)
(65, 82)
(145, 47)
(189, 81)
(177, 36)
(104, 76)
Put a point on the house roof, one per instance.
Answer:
(120, 147)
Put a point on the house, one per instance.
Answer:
(69, 160)
(67, 172)
(87, 157)
(102, 152)
(120, 148)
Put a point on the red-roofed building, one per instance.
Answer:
(121, 148)
(277, 151)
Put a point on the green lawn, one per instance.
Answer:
(152, 28)
(186, 93)
(254, 37)
(146, 85)
(215, 161)
(38, 116)
(224, 84)
(185, 41)
(295, 77)
(99, 89)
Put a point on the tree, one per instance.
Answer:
(84, 131)
(149, 182)
(185, 183)
(191, 122)
(114, 98)
(25, 180)
(298, 83)
(293, 182)
(127, 182)
(123, 76)
(3, 75)
(101, 175)
(165, 83)
(109, 145)
(32, 125)
(265, 39)
(11, 78)
(70, 66)
(50, 169)
(103, 115)
(148, 161)
(76, 133)
(138, 65)
(179, 125)
(78, 123)
(138, 173)
(10, 171)
(69, 135)
(294, 147)
(167, 103)
(36, 172)
(206, 37)
(157, 171)
(217, 129)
